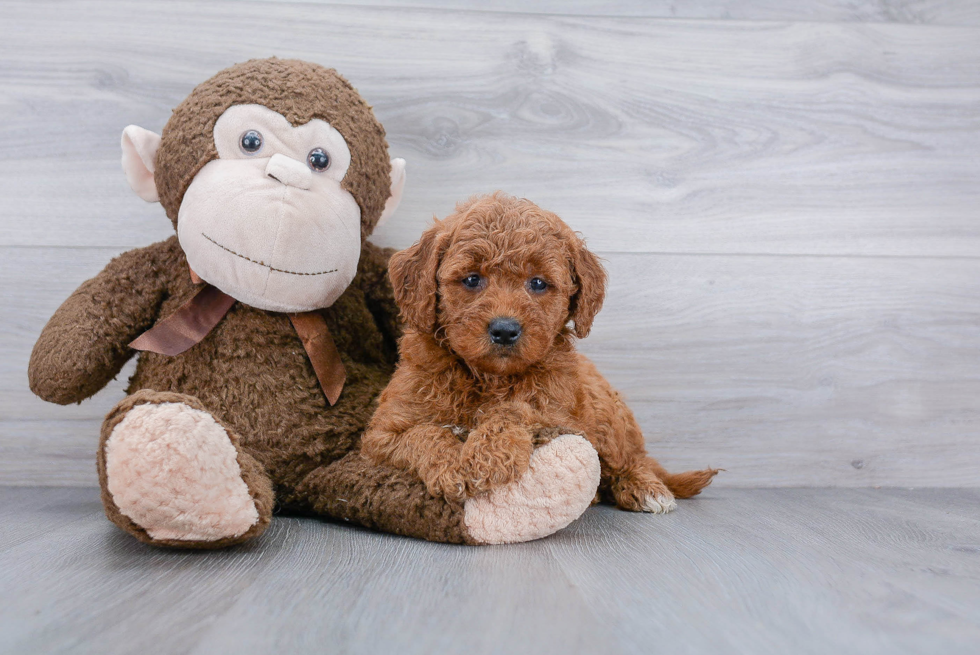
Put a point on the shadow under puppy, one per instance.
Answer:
(488, 367)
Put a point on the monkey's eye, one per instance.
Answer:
(251, 142)
(319, 159)
(537, 285)
(472, 281)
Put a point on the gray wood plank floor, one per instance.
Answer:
(736, 571)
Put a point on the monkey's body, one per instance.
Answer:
(252, 374)
(274, 173)
(223, 372)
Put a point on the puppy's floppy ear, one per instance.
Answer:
(590, 280)
(413, 276)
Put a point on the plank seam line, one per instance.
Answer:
(601, 253)
(621, 17)
(664, 253)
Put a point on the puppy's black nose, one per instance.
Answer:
(504, 331)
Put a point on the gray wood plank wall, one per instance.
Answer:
(786, 196)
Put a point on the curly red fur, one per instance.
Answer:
(464, 412)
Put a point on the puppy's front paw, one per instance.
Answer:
(494, 459)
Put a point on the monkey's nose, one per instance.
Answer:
(289, 171)
(504, 331)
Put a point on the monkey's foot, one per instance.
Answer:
(557, 488)
(173, 475)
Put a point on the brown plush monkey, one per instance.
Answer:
(267, 326)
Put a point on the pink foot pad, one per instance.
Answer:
(173, 471)
(556, 490)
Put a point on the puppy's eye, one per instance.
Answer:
(537, 285)
(251, 142)
(319, 159)
(472, 281)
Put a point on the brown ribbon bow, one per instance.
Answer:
(197, 317)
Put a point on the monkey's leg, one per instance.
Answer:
(173, 475)
(557, 488)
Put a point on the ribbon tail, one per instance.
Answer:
(322, 351)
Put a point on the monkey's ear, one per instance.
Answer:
(139, 152)
(397, 186)
(413, 277)
(590, 278)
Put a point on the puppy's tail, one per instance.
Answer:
(688, 483)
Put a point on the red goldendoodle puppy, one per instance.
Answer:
(488, 363)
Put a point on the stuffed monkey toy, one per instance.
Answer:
(265, 329)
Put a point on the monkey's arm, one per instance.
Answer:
(85, 343)
(373, 267)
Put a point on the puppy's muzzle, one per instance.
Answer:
(504, 331)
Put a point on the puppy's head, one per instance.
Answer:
(498, 282)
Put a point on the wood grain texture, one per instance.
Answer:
(923, 12)
(796, 371)
(787, 209)
(740, 571)
(646, 134)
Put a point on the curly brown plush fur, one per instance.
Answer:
(452, 377)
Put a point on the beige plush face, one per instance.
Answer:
(268, 222)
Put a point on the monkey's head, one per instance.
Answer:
(273, 172)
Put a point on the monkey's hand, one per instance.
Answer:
(86, 342)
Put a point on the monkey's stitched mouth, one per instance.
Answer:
(271, 268)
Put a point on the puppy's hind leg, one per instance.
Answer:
(646, 486)
(638, 488)
(636, 481)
